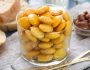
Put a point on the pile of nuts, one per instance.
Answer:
(83, 21)
(43, 32)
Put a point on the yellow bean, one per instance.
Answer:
(30, 36)
(23, 36)
(44, 58)
(47, 15)
(56, 21)
(52, 35)
(22, 14)
(56, 12)
(37, 33)
(48, 51)
(45, 45)
(37, 48)
(24, 22)
(46, 28)
(61, 26)
(42, 10)
(29, 11)
(27, 47)
(60, 54)
(66, 16)
(32, 54)
(45, 40)
(59, 40)
(60, 45)
(46, 20)
(33, 19)
(68, 28)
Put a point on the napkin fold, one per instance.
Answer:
(83, 45)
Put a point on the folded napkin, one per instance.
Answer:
(83, 45)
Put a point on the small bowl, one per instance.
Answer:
(81, 31)
(78, 30)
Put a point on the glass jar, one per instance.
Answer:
(45, 43)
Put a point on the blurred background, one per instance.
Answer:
(65, 3)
